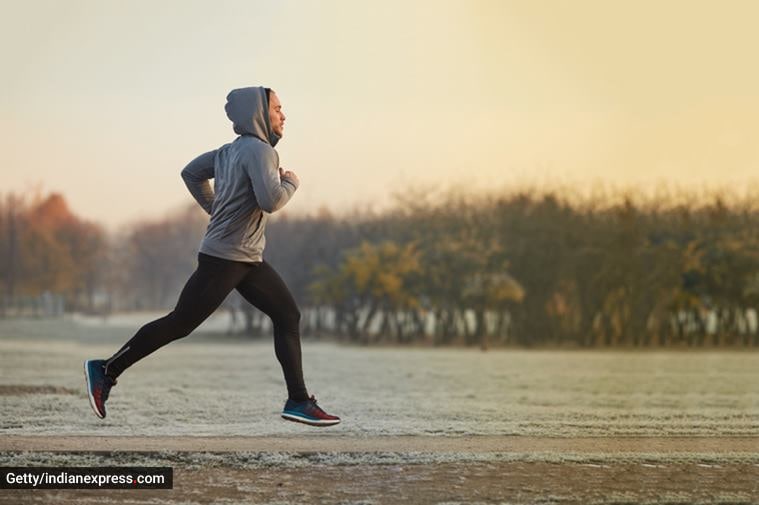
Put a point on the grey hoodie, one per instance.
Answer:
(247, 186)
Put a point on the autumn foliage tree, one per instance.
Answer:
(46, 248)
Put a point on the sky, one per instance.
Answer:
(107, 101)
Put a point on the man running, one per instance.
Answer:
(249, 184)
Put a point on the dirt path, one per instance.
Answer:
(498, 483)
(325, 442)
(208, 470)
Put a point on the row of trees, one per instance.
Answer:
(531, 268)
(534, 268)
(46, 250)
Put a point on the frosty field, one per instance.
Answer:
(419, 425)
(215, 385)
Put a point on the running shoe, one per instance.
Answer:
(308, 412)
(98, 385)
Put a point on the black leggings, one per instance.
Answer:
(206, 289)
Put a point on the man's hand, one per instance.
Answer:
(287, 174)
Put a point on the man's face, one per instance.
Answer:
(276, 117)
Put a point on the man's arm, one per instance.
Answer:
(271, 193)
(196, 175)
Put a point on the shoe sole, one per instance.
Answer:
(89, 389)
(310, 422)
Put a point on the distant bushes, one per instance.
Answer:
(533, 268)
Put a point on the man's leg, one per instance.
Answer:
(265, 289)
(211, 282)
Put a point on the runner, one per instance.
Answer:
(249, 184)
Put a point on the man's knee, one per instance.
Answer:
(289, 317)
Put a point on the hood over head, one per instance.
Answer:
(248, 109)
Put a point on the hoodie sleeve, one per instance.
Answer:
(263, 169)
(196, 175)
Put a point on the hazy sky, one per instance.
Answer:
(107, 101)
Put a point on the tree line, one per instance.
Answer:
(45, 249)
(529, 267)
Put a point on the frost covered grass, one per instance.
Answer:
(210, 384)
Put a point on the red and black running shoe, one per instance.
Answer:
(308, 412)
(98, 385)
